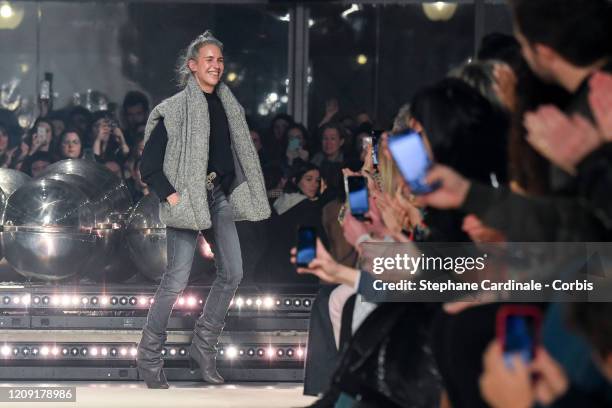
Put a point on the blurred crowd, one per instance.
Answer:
(521, 141)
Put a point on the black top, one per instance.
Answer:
(220, 158)
(152, 163)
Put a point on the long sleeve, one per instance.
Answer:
(152, 164)
(595, 182)
(532, 219)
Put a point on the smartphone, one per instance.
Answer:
(375, 143)
(41, 133)
(294, 144)
(357, 192)
(412, 158)
(306, 246)
(518, 330)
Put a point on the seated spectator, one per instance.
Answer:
(134, 112)
(275, 143)
(258, 143)
(108, 142)
(331, 146)
(36, 163)
(297, 144)
(298, 206)
(58, 121)
(8, 155)
(41, 138)
(70, 145)
(80, 118)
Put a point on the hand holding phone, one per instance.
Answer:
(518, 331)
(357, 192)
(306, 246)
(412, 158)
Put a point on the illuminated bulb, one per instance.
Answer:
(362, 59)
(172, 352)
(268, 302)
(231, 77)
(93, 351)
(258, 302)
(16, 300)
(191, 301)
(239, 302)
(439, 10)
(124, 351)
(55, 351)
(75, 300)
(55, 300)
(6, 11)
(104, 351)
(104, 300)
(142, 301)
(85, 300)
(65, 301)
(232, 352)
(133, 351)
(6, 350)
(249, 302)
(300, 353)
(44, 351)
(181, 301)
(65, 351)
(270, 352)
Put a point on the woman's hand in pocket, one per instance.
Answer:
(173, 199)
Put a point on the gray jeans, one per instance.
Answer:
(181, 248)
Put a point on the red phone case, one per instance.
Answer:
(518, 310)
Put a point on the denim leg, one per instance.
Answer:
(228, 261)
(181, 245)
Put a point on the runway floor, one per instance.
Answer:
(180, 395)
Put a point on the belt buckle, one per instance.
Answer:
(210, 185)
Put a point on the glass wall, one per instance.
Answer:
(371, 57)
(114, 47)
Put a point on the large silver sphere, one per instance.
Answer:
(146, 238)
(110, 201)
(10, 180)
(107, 189)
(48, 230)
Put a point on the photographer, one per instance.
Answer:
(108, 140)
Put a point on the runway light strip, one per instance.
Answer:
(122, 301)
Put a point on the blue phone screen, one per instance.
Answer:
(412, 158)
(519, 339)
(306, 248)
(358, 196)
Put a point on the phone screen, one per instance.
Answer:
(307, 246)
(41, 132)
(519, 338)
(294, 144)
(412, 158)
(357, 193)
